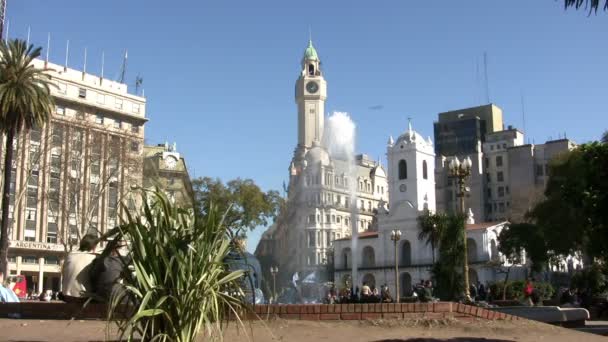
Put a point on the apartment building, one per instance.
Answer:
(70, 176)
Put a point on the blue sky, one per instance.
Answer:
(219, 75)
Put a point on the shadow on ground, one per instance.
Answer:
(455, 339)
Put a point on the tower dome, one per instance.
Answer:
(310, 53)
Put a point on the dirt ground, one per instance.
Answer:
(300, 331)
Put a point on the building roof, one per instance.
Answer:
(310, 53)
(484, 225)
(362, 235)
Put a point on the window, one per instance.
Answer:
(491, 147)
(135, 108)
(62, 87)
(546, 169)
(402, 169)
(60, 110)
(118, 103)
(501, 207)
(424, 170)
(134, 128)
(504, 146)
(327, 218)
(101, 98)
(500, 177)
(487, 162)
(29, 259)
(51, 260)
(488, 179)
(117, 124)
(490, 192)
(99, 119)
(311, 219)
(498, 161)
(51, 234)
(134, 146)
(501, 191)
(507, 191)
(82, 93)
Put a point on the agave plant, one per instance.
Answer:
(179, 284)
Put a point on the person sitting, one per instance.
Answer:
(387, 298)
(106, 272)
(76, 267)
(6, 292)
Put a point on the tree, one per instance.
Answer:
(25, 101)
(245, 205)
(592, 5)
(431, 228)
(512, 241)
(605, 137)
(573, 216)
(447, 272)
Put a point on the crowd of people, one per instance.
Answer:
(370, 294)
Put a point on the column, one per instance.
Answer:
(40, 274)
(18, 263)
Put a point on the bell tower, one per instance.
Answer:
(411, 171)
(311, 93)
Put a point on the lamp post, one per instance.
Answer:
(274, 270)
(460, 172)
(396, 236)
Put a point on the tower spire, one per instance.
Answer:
(409, 125)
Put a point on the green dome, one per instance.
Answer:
(310, 53)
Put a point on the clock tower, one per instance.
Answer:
(311, 92)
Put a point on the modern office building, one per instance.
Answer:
(70, 176)
(508, 176)
(165, 169)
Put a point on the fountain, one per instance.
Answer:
(339, 140)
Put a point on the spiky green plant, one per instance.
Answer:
(179, 284)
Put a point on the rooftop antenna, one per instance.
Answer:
(84, 67)
(67, 53)
(138, 82)
(485, 71)
(523, 111)
(2, 16)
(103, 57)
(48, 47)
(123, 69)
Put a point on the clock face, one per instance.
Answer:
(402, 188)
(312, 87)
(170, 162)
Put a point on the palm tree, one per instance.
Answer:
(431, 228)
(592, 5)
(25, 102)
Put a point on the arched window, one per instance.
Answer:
(369, 280)
(369, 257)
(494, 250)
(345, 258)
(311, 69)
(405, 284)
(402, 169)
(425, 173)
(406, 254)
(471, 250)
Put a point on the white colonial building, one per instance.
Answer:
(411, 162)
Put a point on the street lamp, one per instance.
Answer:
(274, 270)
(460, 172)
(396, 236)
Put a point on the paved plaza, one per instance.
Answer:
(296, 331)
